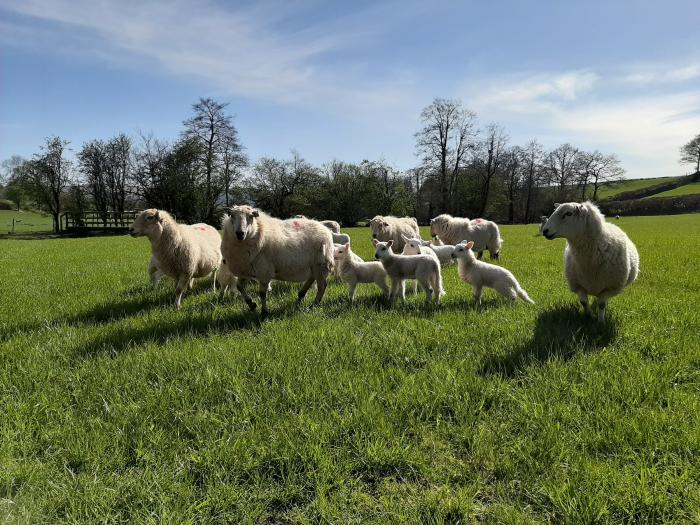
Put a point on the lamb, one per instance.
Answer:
(452, 230)
(442, 251)
(424, 268)
(332, 226)
(340, 238)
(480, 274)
(415, 247)
(183, 252)
(387, 228)
(259, 247)
(599, 258)
(354, 270)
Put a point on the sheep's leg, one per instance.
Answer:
(262, 290)
(240, 286)
(477, 295)
(427, 289)
(214, 279)
(154, 275)
(304, 289)
(601, 303)
(351, 290)
(402, 290)
(394, 289)
(182, 284)
(382, 284)
(583, 299)
(321, 283)
(480, 255)
(415, 287)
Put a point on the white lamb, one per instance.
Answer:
(333, 226)
(415, 247)
(442, 251)
(353, 270)
(181, 251)
(340, 238)
(599, 258)
(388, 228)
(481, 274)
(424, 268)
(452, 230)
(260, 247)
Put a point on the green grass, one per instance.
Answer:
(116, 408)
(609, 190)
(689, 189)
(25, 222)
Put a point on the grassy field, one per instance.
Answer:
(609, 190)
(689, 189)
(25, 222)
(116, 408)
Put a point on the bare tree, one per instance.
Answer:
(117, 170)
(513, 161)
(233, 160)
(47, 176)
(690, 153)
(443, 142)
(11, 172)
(603, 168)
(561, 167)
(532, 168)
(494, 146)
(213, 128)
(92, 164)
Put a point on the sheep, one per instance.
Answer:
(181, 251)
(442, 251)
(154, 273)
(480, 274)
(599, 258)
(387, 228)
(340, 238)
(332, 226)
(336, 266)
(354, 270)
(543, 220)
(452, 230)
(424, 268)
(415, 247)
(259, 247)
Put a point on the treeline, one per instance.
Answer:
(462, 169)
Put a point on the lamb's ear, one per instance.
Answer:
(347, 244)
(158, 217)
(255, 213)
(385, 224)
(556, 205)
(470, 245)
(390, 242)
(375, 241)
(581, 209)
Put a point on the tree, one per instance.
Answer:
(690, 153)
(213, 129)
(233, 160)
(443, 142)
(494, 145)
(532, 163)
(117, 170)
(603, 168)
(512, 170)
(11, 172)
(47, 176)
(561, 168)
(92, 160)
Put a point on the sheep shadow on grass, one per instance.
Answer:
(561, 332)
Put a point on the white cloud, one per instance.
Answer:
(647, 74)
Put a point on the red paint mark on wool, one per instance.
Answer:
(478, 221)
(296, 224)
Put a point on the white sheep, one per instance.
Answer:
(481, 274)
(260, 247)
(599, 258)
(442, 251)
(453, 230)
(388, 228)
(340, 238)
(333, 226)
(353, 270)
(414, 246)
(181, 251)
(424, 268)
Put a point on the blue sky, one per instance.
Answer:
(347, 80)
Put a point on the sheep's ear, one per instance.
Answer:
(375, 241)
(390, 243)
(158, 217)
(347, 244)
(470, 245)
(556, 205)
(581, 208)
(385, 224)
(255, 213)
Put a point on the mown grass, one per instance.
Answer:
(688, 189)
(611, 189)
(116, 408)
(25, 222)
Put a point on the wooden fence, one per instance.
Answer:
(113, 221)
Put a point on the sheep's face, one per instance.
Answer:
(242, 221)
(382, 250)
(568, 221)
(438, 225)
(463, 250)
(411, 246)
(341, 251)
(378, 225)
(149, 222)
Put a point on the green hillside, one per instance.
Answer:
(25, 222)
(611, 189)
(689, 189)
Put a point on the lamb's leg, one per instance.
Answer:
(394, 289)
(382, 284)
(480, 255)
(214, 279)
(182, 284)
(477, 295)
(427, 289)
(262, 290)
(351, 290)
(304, 289)
(154, 275)
(415, 287)
(583, 299)
(321, 283)
(240, 286)
(402, 290)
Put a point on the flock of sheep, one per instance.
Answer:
(599, 259)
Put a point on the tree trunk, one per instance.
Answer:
(56, 222)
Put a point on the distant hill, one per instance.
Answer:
(612, 189)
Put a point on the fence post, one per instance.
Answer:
(13, 225)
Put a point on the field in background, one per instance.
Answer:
(25, 222)
(610, 190)
(688, 189)
(114, 407)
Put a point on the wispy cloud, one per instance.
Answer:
(662, 74)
